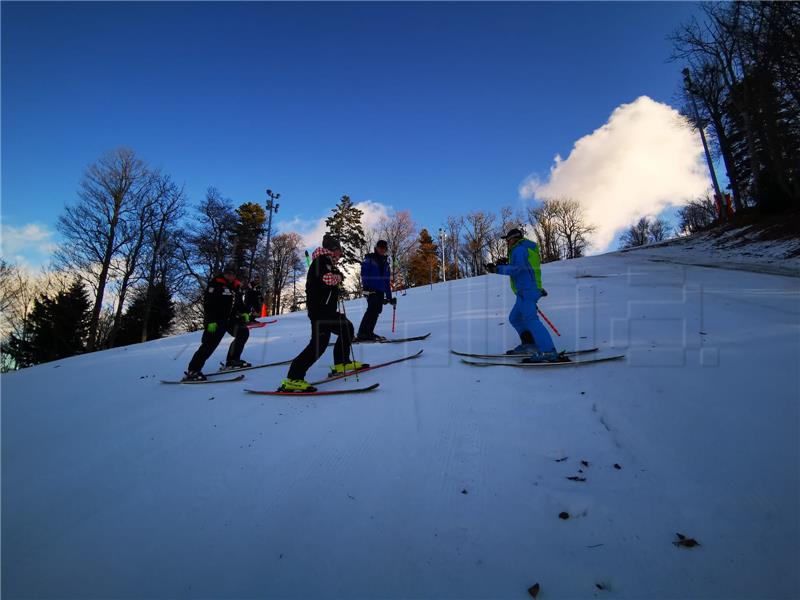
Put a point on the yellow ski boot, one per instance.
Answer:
(296, 385)
(348, 367)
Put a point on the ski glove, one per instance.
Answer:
(245, 317)
(490, 267)
(502, 261)
(543, 292)
(392, 301)
(211, 327)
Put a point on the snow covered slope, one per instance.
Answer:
(446, 482)
(761, 248)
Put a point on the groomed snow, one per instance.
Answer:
(445, 482)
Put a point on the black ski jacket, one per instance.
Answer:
(222, 301)
(322, 286)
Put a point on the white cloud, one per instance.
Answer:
(642, 161)
(312, 230)
(31, 243)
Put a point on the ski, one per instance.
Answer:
(512, 356)
(369, 368)
(259, 324)
(565, 363)
(388, 340)
(226, 371)
(396, 340)
(230, 379)
(317, 393)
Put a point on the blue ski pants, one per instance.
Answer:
(524, 317)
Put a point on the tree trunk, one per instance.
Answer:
(727, 159)
(94, 321)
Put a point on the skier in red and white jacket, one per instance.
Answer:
(322, 298)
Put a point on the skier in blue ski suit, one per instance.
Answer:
(523, 267)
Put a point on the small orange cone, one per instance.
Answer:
(264, 309)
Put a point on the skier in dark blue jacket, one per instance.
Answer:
(376, 281)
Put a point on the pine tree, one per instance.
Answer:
(56, 328)
(345, 225)
(424, 264)
(249, 230)
(162, 312)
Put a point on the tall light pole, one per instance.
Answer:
(442, 238)
(690, 89)
(272, 206)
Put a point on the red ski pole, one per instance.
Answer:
(548, 321)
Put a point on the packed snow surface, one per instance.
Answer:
(447, 481)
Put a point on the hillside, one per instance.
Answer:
(446, 482)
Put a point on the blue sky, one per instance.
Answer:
(436, 108)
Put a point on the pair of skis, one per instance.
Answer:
(337, 377)
(566, 359)
(228, 371)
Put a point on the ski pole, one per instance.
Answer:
(548, 321)
(394, 314)
(352, 352)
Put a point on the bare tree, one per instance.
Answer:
(572, 228)
(454, 227)
(400, 232)
(637, 234)
(18, 290)
(743, 63)
(479, 228)
(94, 229)
(162, 243)
(697, 215)
(8, 285)
(658, 230)
(128, 269)
(285, 258)
(543, 221)
(509, 219)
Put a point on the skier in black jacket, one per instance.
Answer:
(253, 298)
(322, 299)
(224, 310)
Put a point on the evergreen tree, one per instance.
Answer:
(162, 312)
(249, 230)
(424, 264)
(56, 328)
(345, 224)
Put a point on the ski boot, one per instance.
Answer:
(527, 344)
(236, 364)
(347, 367)
(539, 356)
(366, 338)
(193, 376)
(296, 385)
(526, 349)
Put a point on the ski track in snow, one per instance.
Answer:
(117, 486)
